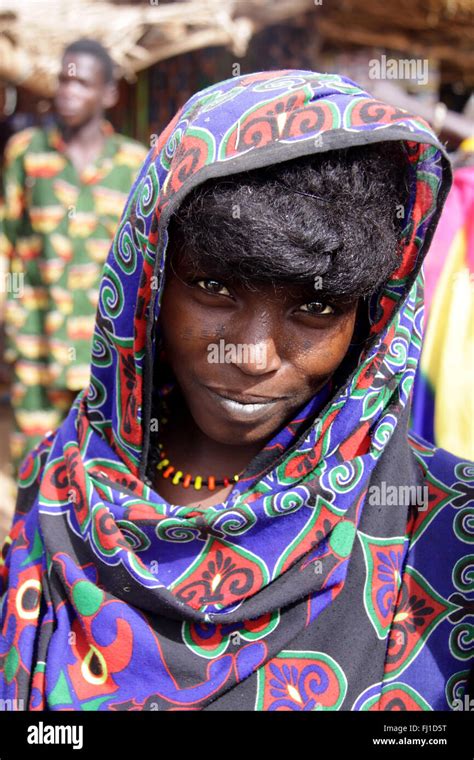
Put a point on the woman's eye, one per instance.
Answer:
(316, 307)
(213, 286)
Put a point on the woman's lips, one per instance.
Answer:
(243, 410)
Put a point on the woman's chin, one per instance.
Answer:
(236, 433)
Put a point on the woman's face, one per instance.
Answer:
(247, 360)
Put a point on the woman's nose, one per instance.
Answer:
(258, 353)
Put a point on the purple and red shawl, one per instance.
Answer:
(312, 587)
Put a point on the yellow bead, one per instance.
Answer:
(198, 483)
(236, 477)
(163, 463)
(176, 478)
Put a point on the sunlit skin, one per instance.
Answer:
(81, 99)
(302, 340)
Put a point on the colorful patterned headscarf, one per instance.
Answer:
(308, 588)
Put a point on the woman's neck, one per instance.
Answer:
(193, 451)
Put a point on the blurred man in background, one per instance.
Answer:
(65, 190)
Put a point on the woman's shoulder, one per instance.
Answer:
(436, 590)
(22, 552)
(441, 525)
(440, 465)
(30, 475)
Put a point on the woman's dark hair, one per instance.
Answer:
(337, 216)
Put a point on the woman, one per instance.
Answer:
(232, 517)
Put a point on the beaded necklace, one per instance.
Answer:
(166, 469)
(177, 476)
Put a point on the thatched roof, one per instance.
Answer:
(439, 29)
(33, 33)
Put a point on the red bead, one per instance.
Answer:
(226, 482)
(211, 482)
(187, 481)
(168, 471)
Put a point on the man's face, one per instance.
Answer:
(247, 361)
(82, 92)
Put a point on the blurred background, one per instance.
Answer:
(416, 54)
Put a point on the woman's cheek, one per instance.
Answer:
(188, 336)
(323, 353)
